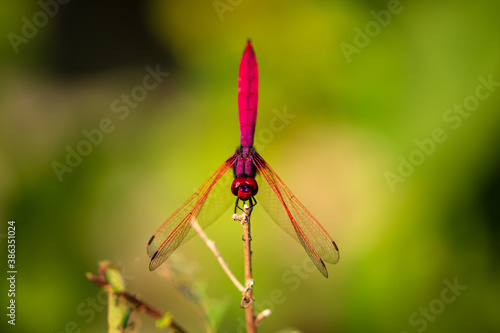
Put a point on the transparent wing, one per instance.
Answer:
(205, 205)
(294, 218)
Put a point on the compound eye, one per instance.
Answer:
(237, 182)
(244, 187)
(254, 188)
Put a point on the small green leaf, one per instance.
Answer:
(164, 321)
(114, 277)
(121, 316)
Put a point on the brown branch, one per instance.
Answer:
(247, 290)
(247, 300)
(137, 303)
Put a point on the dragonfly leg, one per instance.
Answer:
(251, 202)
(236, 205)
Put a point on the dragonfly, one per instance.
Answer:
(249, 169)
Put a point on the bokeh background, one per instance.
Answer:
(356, 107)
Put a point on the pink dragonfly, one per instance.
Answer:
(214, 197)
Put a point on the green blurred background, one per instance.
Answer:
(357, 115)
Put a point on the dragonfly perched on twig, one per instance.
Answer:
(211, 200)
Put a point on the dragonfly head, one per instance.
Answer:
(244, 187)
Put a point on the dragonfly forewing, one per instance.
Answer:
(287, 211)
(205, 206)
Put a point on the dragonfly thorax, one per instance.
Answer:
(244, 187)
(244, 166)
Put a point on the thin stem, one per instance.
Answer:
(247, 290)
(211, 245)
(247, 300)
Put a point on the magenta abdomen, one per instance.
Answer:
(248, 87)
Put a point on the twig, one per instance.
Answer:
(138, 304)
(247, 290)
(262, 315)
(247, 300)
(211, 245)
